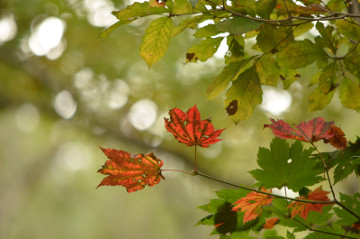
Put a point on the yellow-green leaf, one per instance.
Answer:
(244, 94)
(182, 6)
(318, 100)
(203, 50)
(207, 31)
(299, 54)
(106, 33)
(238, 25)
(350, 94)
(228, 74)
(137, 10)
(156, 40)
(268, 70)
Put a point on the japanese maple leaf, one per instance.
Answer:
(303, 208)
(311, 131)
(188, 128)
(252, 204)
(131, 171)
(270, 223)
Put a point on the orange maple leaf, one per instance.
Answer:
(270, 223)
(131, 171)
(303, 208)
(252, 204)
(188, 128)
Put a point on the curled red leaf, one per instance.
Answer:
(252, 204)
(188, 128)
(131, 171)
(312, 131)
(338, 140)
(303, 208)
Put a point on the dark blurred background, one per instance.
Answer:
(64, 92)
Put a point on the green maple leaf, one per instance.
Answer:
(284, 165)
(350, 202)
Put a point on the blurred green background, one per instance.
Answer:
(64, 92)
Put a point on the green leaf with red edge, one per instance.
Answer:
(303, 208)
(252, 204)
(188, 128)
(131, 171)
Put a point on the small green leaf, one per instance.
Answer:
(137, 10)
(236, 44)
(106, 33)
(182, 6)
(290, 235)
(283, 165)
(187, 23)
(327, 38)
(268, 70)
(318, 100)
(299, 54)
(237, 25)
(228, 74)
(352, 202)
(265, 7)
(271, 37)
(203, 50)
(350, 94)
(156, 40)
(207, 31)
(244, 94)
(348, 29)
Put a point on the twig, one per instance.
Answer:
(309, 227)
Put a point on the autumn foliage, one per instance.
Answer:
(133, 172)
(283, 165)
(188, 128)
(252, 204)
(312, 131)
(303, 208)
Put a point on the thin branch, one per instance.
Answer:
(309, 227)
(326, 171)
(287, 9)
(259, 191)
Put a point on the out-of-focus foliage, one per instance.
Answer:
(63, 92)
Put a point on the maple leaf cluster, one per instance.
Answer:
(312, 131)
(134, 172)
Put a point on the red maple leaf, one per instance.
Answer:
(188, 128)
(252, 204)
(312, 131)
(338, 141)
(303, 208)
(131, 171)
(270, 223)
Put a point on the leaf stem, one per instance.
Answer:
(326, 171)
(178, 170)
(195, 158)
